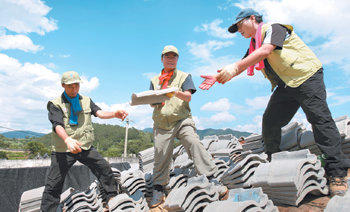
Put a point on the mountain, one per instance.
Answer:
(149, 130)
(211, 131)
(21, 134)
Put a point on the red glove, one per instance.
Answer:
(208, 82)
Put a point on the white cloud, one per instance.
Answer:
(204, 51)
(219, 105)
(210, 66)
(254, 127)
(150, 75)
(222, 117)
(26, 16)
(324, 23)
(198, 122)
(87, 86)
(51, 65)
(257, 103)
(215, 30)
(339, 100)
(21, 42)
(256, 124)
(25, 90)
(301, 118)
(64, 55)
(140, 116)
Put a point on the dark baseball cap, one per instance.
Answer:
(241, 15)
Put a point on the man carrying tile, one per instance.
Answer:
(297, 74)
(72, 138)
(172, 119)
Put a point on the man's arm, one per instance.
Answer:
(121, 114)
(188, 89)
(184, 95)
(55, 116)
(232, 70)
(98, 112)
(61, 132)
(255, 57)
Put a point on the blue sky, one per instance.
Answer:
(116, 45)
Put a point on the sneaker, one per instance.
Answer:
(338, 186)
(157, 199)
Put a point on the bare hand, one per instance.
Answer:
(121, 114)
(73, 145)
(208, 82)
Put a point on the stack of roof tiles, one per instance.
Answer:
(296, 137)
(195, 196)
(88, 200)
(128, 203)
(241, 169)
(253, 143)
(132, 181)
(287, 179)
(178, 178)
(220, 146)
(146, 159)
(133, 189)
(243, 200)
(31, 200)
(290, 177)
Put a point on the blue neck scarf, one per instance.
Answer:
(75, 108)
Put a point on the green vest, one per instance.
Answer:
(294, 63)
(174, 109)
(83, 132)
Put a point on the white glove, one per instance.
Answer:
(73, 145)
(227, 73)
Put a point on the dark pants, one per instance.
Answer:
(311, 97)
(61, 162)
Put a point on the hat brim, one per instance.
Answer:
(233, 28)
(72, 82)
(163, 53)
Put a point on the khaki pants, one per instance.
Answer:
(163, 151)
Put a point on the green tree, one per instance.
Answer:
(114, 151)
(35, 147)
(3, 155)
(4, 144)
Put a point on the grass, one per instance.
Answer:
(17, 155)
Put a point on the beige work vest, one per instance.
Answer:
(174, 109)
(83, 132)
(294, 63)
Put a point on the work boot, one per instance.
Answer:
(338, 185)
(157, 198)
(223, 193)
(105, 206)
